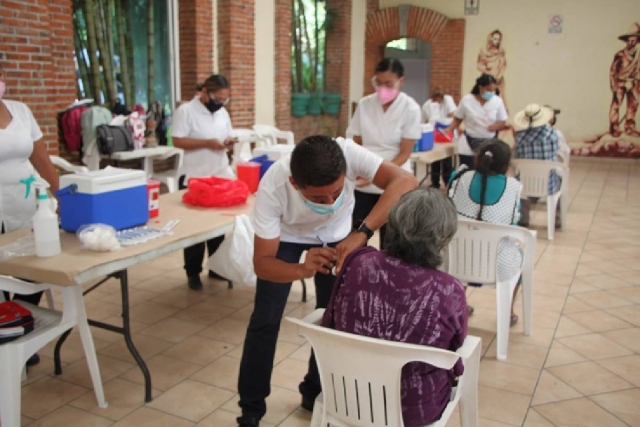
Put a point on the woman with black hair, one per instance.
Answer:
(387, 123)
(484, 115)
(202, 128)
(487, 194)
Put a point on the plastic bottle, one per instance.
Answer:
(45, 223)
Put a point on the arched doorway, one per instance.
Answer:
(445, 37)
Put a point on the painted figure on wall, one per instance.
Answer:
(492, 60)
(624, 78)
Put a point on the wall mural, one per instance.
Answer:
(623, 137)
(492, 60)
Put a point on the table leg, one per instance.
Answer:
(125, 330)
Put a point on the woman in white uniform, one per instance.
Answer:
(202, 127)
(438, 109)
(484, 115)
(21, 150)
(388, 124)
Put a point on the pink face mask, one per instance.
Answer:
(3, 87)
(386, 94)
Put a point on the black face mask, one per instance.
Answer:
(213, 105)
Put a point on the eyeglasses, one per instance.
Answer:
(391, 85)
(222, 101)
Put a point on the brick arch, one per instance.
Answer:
(446, 37)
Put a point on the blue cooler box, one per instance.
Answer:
(426, 142)
(112, 196)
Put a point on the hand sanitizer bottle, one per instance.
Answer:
(45, 223)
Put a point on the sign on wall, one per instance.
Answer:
(555, 24)
(471, 7)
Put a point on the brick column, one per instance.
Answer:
(338, 57)
(283, 64)
(36, 50)
(447, 52)
(196, 44)
(236, 46)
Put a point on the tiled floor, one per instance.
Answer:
(581, 366)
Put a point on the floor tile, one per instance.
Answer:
(147, 347)
(627, 367)
(205, 313)
(534, 419)
(594, 346)
(289, 373)
(568, 328)
(524, 355)
(502, 406)
(552, 389)
(72, 350)
(560, 355)
(123, 398)
(198, 350)
(628, 314)
(507, 377)
(629, 338)
(226, 330)
(589, 378)
(47, 395)
(172, 329)
(71, 417)
(281, 404)
(166, 372)
(222, 418)
(223, 373)
(598, 321)
(191, 400)
(150, 312)
(578, 412)
(602, 299)
(623, 404)
(78, 372)
(147, 417)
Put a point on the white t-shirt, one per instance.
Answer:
(434, 111)
(193, 120)
(16, 147)
(477, 117)
(280, 210)
(382, 131)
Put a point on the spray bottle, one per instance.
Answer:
(45, 223)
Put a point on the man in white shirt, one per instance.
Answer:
(304, 203)
(439, 108)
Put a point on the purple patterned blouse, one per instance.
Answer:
(383, 297)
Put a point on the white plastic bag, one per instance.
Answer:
(234, 257)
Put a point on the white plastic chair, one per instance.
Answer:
(49, 324)
(242, 150)
(472, 257)
(269, 135)
(66, 166)
(534, 176)
(360, 376)
(169, 177)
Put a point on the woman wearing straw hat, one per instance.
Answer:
(535, 139)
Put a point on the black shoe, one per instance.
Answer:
(214, 275)
(307, 403)
(195, 283)
(245, 421)
(33, 360)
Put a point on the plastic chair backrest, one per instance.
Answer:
(473, 251)
(269, 135)
(66, 166)
(534, 175)
(361, 375)
(177, 154)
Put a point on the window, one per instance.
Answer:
(311, 20)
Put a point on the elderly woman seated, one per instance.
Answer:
(399, 295)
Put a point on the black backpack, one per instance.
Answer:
(113, 139)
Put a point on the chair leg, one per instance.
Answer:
(50, 301)
(564, 205)
(10, 387)
(469, 393)
(504, 294)
(552, 204)
(304, 290)
(89, 348)
(316, 418)
(172, 185)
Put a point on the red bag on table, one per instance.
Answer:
(214, 192)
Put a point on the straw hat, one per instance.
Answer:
(633, 31)
(532, 116)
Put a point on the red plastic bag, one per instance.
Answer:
(214, 192)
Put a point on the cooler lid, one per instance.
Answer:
(104, 180)
(426, 127)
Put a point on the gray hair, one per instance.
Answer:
(420, 226)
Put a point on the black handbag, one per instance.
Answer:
(113, 139)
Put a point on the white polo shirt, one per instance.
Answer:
(434, 111)
(193, 120)
(280, 210)
(383, 131)
(477, 117)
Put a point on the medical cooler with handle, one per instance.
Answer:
(117, 197)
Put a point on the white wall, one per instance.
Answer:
(568, 70)
(265, 19)
(356, 79)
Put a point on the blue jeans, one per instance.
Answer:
(254, 383)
